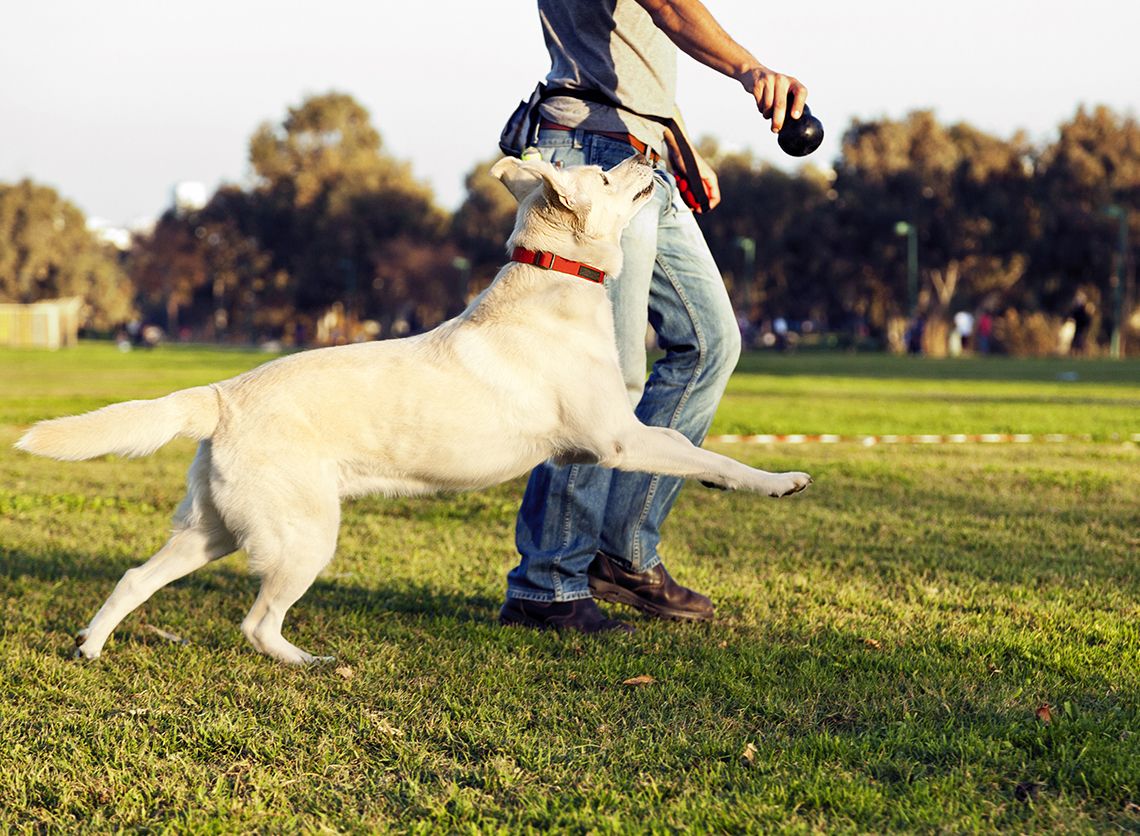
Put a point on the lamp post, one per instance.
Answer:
(911, 232)
(462, 265)
(1116, 282)
(748, 253)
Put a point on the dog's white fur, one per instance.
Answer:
(528, 372)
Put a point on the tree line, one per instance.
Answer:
(334, 239)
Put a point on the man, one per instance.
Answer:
(585, 531)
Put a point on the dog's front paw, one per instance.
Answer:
(785, 484)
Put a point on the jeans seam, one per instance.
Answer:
(688, 390)
(555, 580)
(525, 595)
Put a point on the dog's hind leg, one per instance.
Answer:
(282, 585)
(191, 547)
(289, 557)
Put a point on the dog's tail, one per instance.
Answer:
(132, 428)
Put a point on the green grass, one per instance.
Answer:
(882, 645)
(877, 394)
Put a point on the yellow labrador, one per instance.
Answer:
(528, 372)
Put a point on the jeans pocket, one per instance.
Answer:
(608, 152)
(559, 147)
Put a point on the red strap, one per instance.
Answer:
(550, 261)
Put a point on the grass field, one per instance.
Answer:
(885, 645)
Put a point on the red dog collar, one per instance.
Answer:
(550, 261)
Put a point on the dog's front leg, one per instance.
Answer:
(665, 451)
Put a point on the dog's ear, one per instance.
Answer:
(522, 177)
(519, 177)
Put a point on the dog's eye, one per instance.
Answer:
(605, 180)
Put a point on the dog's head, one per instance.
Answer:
(568, 210)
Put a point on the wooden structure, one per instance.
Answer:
(50, 324)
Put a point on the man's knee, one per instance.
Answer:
(722, 348)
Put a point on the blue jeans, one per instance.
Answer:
(670, 281)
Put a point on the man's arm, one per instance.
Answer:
(693, 29)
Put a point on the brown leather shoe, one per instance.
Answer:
(653, 592)
(582, 616)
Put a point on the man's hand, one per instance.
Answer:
(771, 89)
(709, 180)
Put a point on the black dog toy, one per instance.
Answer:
(799, 137)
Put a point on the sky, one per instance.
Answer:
(112, 102)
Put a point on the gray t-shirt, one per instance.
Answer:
(611, 46)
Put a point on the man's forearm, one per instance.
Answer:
(696, 33)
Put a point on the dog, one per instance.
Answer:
(528, 372)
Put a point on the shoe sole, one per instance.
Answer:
(556, 628)
(614, 594)
(528, 623)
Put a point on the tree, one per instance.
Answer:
(330, 223)
(968, 194)
(1093, 164)
(331, 204)
(249, 300)
(206, 270)
(169, 269)
(763, 235)
(483, 222)
(47, 252)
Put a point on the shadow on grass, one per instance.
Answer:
(404, 598)
(76, 576)
(60, 566)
